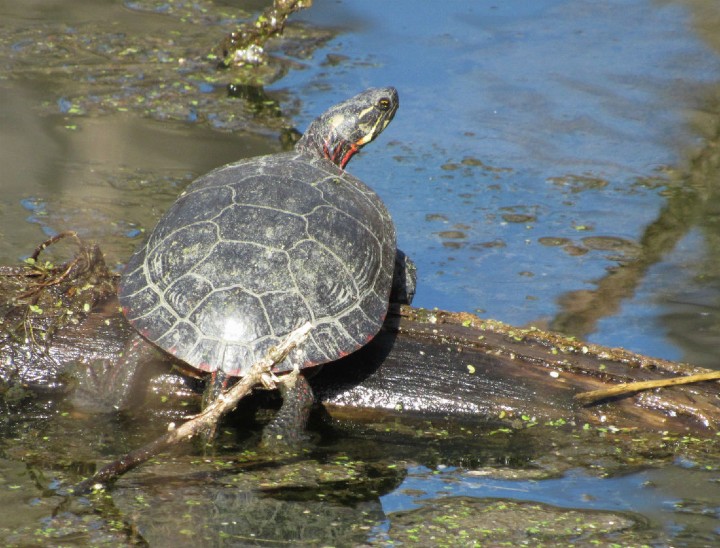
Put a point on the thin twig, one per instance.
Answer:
(227, 401)
(57, 279)
(54, 239)
(632, 387)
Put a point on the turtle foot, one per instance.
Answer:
(287, 430)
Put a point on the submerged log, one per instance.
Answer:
(429, 363)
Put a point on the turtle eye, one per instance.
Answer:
(384, 104)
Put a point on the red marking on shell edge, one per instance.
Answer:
(203, 366)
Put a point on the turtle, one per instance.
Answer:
(252, 250)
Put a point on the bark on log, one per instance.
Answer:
(457, 364)
(422, 362)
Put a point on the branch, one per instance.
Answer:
(632, 387)
(259, 373)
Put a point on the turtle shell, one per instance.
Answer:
(254, 249)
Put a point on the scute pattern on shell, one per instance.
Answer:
(251, 251)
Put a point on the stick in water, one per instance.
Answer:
(259, 373)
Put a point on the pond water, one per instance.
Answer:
(553, 163)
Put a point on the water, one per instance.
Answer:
(548, 92)
(551, 163)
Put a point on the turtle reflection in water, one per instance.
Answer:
(254, 249)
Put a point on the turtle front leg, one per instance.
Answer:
(287, 429)
(404, 279)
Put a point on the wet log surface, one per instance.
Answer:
(423, 363)
(443, 363)
(430, 363)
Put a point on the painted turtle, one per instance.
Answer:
(252, 250)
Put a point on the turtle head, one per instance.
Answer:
(348, 126)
